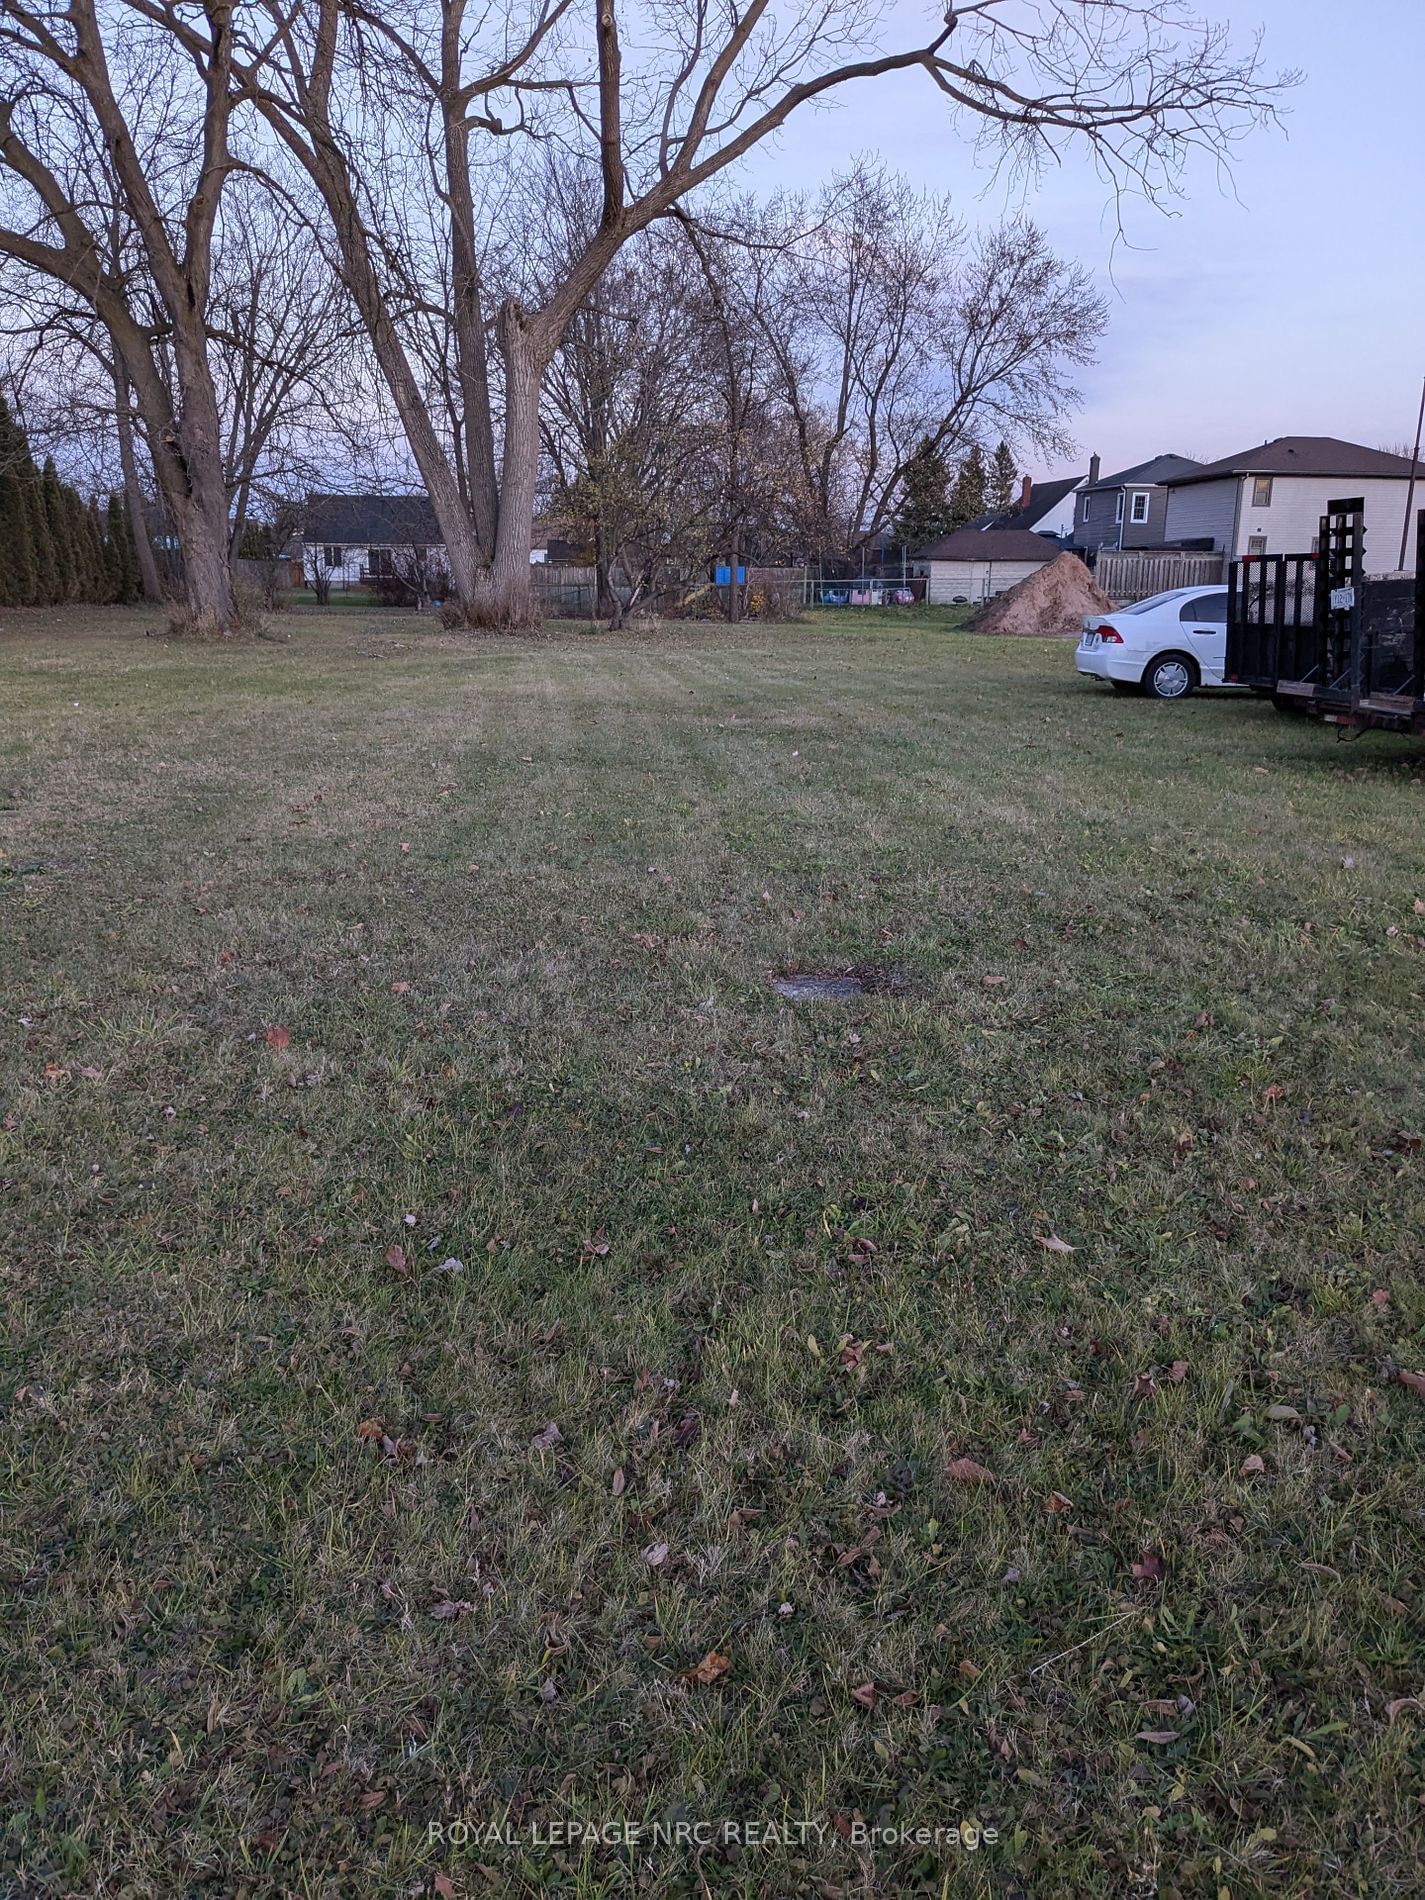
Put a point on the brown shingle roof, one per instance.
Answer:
(990, 544)
(1305, 455)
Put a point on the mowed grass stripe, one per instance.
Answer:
(290, 1578)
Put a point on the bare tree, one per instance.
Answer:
(82, 101)
(280, 333)
(1140, 82)
(890, 324)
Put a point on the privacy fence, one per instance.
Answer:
(1134, 573)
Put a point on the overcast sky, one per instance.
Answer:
(1294, 307)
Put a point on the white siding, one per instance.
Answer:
(1293, 521)
(1202, 509)
(353, 561)
(976, 580)
(1059, 520)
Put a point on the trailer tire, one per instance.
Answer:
(1170, 676)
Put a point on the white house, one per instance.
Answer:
(973, 563)
(1270, 500)
(350, 540)
(1042, 507)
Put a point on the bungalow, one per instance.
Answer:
(973, 563)
(353, 539)
(1270, 500)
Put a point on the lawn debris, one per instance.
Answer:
(966, 1471)
(713, 1665)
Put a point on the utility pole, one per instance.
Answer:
(1410, 491)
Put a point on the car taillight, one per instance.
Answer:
(1110, 636)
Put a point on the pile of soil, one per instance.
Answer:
(1052, 600)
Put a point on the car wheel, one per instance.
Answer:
(1170, 676)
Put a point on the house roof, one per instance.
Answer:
(1159, 468)
(377, 521)
(990, 544)
(1307, 455)
(1044, 498)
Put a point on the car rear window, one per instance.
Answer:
(1154, 601)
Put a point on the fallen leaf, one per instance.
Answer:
(278, 1036)
(1320, 1570)
(709, 1669)
(369, 1428)
(1156, 1735)
(1250, 1467)
(443, 1887)
(547, 1439)
(1380, 1297)
(1051, 1243)
(1401, 1704)
(971, 1671)
(1413, 1381)
(1057, 1503)
(1145, 1386)
(966, 1471)
(396, 1259)
(1178, 1371)
(373, 1798)
(865, 1695)
(655, 1554)
(1150, 1567)
(991, 981)
(619, 1482)
(400, 989)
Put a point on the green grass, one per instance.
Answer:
(293, 1567)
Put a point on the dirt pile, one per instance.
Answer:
(1054, 599)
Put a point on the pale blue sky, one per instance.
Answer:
(1294, 307)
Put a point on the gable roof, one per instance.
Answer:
(1160, 468)
(1044, 498)
(1307, 455)
(990, 544)
(377, 521)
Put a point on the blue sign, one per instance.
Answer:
(723, 576)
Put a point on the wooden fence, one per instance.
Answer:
(1129, 574)
(563, 589)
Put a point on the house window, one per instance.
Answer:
(1139, 512)
(331, 556)
(1118, 511)
(1256, 545)
(382, 566)
(1261, 491)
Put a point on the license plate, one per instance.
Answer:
(1090, 640)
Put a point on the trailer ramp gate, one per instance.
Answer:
(1317, 634)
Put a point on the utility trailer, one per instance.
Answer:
(1316, 634)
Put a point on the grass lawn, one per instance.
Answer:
(477, 1357)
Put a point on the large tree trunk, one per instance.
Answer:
(471, 350)
(133, 492)
(505, 597)
(195, 454)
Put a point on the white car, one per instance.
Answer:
(1167, 646)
